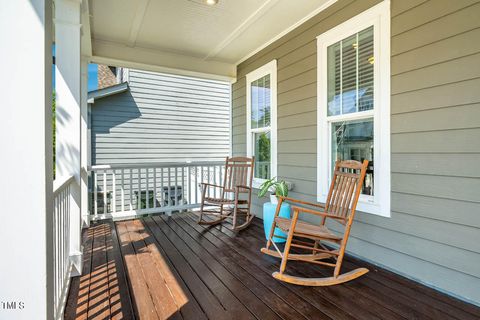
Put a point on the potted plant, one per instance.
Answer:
(276, 187)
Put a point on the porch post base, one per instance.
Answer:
(77, 263)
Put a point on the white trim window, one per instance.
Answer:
(353, 106)
(262, 121)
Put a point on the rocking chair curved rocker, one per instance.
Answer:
(340, 206)
(235, 195)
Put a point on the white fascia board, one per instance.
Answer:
(108, 91)
(116, 54)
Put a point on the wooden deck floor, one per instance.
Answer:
(162, 268)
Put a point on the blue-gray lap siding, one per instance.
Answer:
(162, 118)
(433, 234)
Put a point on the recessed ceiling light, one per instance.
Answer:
(205, 2)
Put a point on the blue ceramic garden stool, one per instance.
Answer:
(268, 214)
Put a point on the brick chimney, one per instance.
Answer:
(106, 76)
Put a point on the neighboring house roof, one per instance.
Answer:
(108, 91)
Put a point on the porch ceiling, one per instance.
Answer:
(189, 36)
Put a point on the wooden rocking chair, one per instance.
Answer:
(340, 206)
(237, 184)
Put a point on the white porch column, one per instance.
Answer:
(26, 275)
(84, 147)
(68, 115)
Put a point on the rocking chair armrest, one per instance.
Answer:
(243, 187)
(318, 213)
(210, 185)
(302, 202)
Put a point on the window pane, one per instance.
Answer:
(262, 155)
(333, 80)
(254, 103)
(365, 69)
(353, 140)
(260, 102)
(350, 74)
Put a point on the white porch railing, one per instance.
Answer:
(124, 191)
(61, 242)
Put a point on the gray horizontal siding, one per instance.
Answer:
(432, 235)
(162, 118)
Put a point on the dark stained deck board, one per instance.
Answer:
(98, 294)
(409, 293)
(77, 304)
(426, 301)
(357, 289)
(281, 299)
(142, 299)
(262, 297)
(335, 299)
(421, 301)
(226, 274)
(172, 268)
(208, 301)
(119, 293)
(252, 255)
(185, 302)
(163, 300)
(84, 290)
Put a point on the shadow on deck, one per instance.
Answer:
(172, 268)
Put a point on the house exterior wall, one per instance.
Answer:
(433, 233)
(162, 118)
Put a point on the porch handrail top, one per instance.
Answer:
(60, 183)
(156, 165)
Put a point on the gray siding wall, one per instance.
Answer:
(162, 118)
(433, 234)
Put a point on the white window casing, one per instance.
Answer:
(267, 69)
(379, 17)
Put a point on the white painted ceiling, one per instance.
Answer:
(223, 34)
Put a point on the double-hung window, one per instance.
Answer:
(262, 121)
(354, 104)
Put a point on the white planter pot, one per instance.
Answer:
(273, 199)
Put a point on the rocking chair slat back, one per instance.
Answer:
(345, 187)
(238, 172)
(235, 197)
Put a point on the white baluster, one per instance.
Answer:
(175, 199)
(154, 187)
(169, 185)
(105, 208)
(147, 199)
(95, 193)
(162, 191)
(139, 195)
(122, 190)
(196, 185)
(114, 192)
(183, 185)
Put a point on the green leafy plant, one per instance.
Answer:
(277, 187)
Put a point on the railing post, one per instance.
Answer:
(84, 147)
(68, 115)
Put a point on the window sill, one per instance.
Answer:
(366, 207)
(256, 183)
